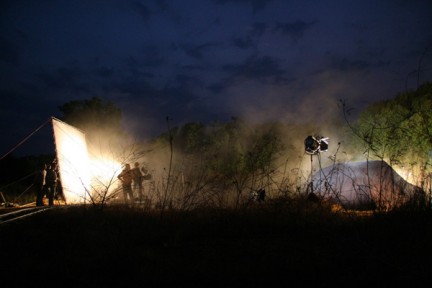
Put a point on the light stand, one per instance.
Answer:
(314, 146)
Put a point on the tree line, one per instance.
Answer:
(219, 164)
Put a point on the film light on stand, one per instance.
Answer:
(314, 145)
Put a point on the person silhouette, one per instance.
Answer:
(51, 183)
(126, 178)
(39, 184)
(137, 181)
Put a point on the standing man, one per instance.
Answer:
(137, 181)
(126, 178)
(147, 181)
(51, 183)
(39, 184)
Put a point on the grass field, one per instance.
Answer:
(277, 246)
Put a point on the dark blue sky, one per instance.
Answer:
(204, 60)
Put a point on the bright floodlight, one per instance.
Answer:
(73, 161)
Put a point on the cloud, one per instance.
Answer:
(295, 29)
(244, 43)
(347, 65)
(142, 10)
(255, 4)
(138, 68)
(64, 80)
(265, 69)
(104, 72)
(251, 39)
(206, 59)
(198, 51)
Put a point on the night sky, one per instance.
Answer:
(206, 60)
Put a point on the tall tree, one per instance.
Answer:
(98, 119)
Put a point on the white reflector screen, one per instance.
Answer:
(73, 161)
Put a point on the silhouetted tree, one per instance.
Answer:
(95, 117)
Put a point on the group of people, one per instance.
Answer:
(132, 181)
(45, 183)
